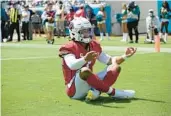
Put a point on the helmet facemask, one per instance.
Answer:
(85, 35)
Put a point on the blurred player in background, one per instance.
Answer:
(152, 25)
(50, 15)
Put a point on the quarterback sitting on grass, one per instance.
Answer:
(78, 58)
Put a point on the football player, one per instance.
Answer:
(50, 24)
(152, 25)
(78, 58)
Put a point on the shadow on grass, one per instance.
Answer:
(148, 100)
(105, 101)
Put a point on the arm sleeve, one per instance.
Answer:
(104, 58)
(43, 16)
(73, 63)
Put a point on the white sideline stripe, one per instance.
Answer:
(105, 48)
(19, 45)
(32, 58)
(29, 58)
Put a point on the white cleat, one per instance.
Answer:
(123, 40)
(101, 40)
(124, 94)
(165, 40)
(108, 39)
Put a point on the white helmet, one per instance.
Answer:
(81, 30)
(151, 12)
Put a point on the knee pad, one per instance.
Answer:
(85, 73)
(156, 31)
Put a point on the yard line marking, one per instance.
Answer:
(105, 48)
(46, 57)
(28, 58)
(20, 45)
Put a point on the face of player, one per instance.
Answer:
(89, 13)
(26, 8)
(164, 4)
(124, 6)
(102, 9)
(15, 6)
(151, 14)
(50, 7)
(85, 33)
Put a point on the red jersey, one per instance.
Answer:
(51, 13)
(70, 16)
(80, 13)
(78, 50)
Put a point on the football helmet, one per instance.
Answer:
(81, 30)
(151, 12)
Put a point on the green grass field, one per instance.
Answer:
(32, 83)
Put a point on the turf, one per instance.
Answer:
(34, 86)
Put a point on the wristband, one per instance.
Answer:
(124, 57)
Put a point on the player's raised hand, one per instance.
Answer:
(90, 56)
(130, 51)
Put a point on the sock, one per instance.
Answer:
(165, 37)
(160, 34)
(98, 84)
(150, 35)
(126, 36)
(107, 35)
(111, 76)
(123, 37)
(101, 36)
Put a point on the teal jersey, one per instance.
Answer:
(136, 10)
(164, 13)
(124, 12)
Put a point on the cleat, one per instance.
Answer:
(136, 41)
(123, 40)
(124, 94)
(162, 40)
(92, 95)
(108, 39)
(48, 41)
(53, 40)
(101, 40)
(89, 96)
(131, 41)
